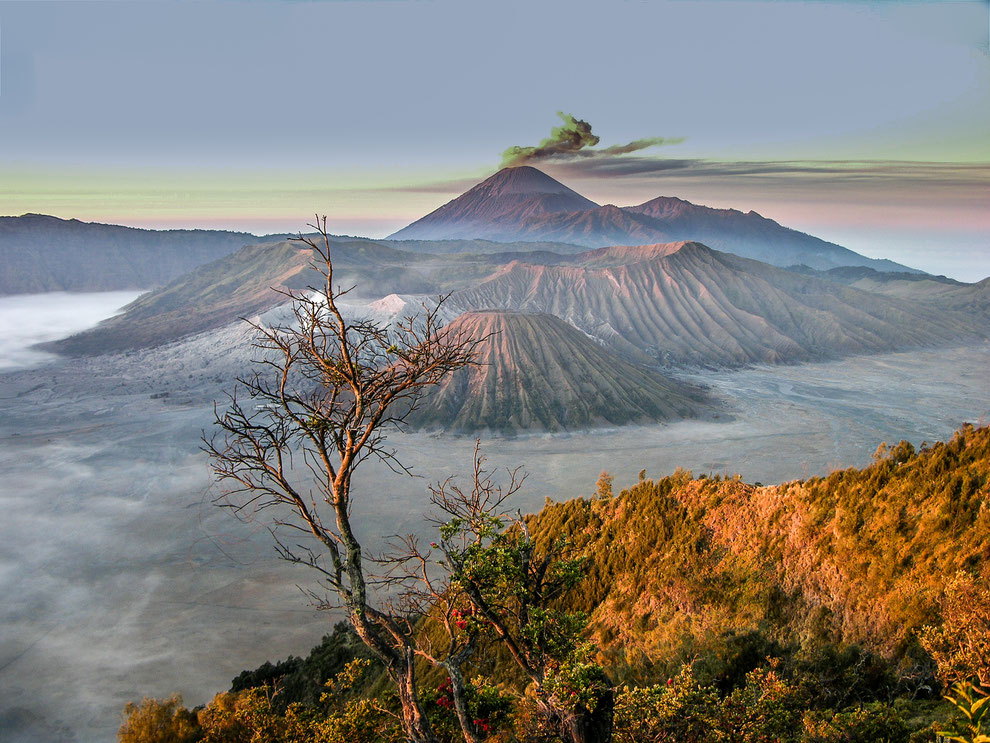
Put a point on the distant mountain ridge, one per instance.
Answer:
(241, 284)
(247, 282)
(40, 253)
(580, 340)
(937, 291)
(525, 204)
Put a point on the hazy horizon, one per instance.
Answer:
(881, 148)
(901, 239)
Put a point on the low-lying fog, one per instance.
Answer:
(120, 578)
(26, 319)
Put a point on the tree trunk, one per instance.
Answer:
(401, 667)
(415, 723)
(582, 725)
(468, 729)
(592, 726)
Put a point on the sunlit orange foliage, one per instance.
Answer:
(960, 645)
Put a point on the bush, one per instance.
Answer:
(960, 646)
(681, 711)
(869, 723)
(158, 721)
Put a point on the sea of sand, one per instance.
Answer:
(121, 578)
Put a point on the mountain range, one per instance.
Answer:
(670, 304)
(40, 253)
(574, 338)
(525, 204)
(684, 303)
(250, 282)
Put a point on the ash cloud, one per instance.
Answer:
(571, 140)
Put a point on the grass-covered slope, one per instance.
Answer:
(858, 557)
(723, 611)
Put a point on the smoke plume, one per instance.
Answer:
(636, 144)
(571, 139)
(566, 139)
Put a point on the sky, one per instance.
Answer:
(867, 124)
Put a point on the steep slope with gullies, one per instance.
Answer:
(536, 372)
(687, 304)
(937, 291)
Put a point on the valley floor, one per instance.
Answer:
(121, 579)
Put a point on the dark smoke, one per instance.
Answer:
(566, 139)
(570, 140)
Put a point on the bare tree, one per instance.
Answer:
(326, 392)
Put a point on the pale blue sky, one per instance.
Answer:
(254, 115)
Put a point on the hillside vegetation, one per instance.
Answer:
(828, 610)
(856, 558)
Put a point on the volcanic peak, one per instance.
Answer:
(524, 180)
(538, 372)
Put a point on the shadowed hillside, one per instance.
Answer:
(39, 253)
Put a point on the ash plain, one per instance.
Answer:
(122, 579)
